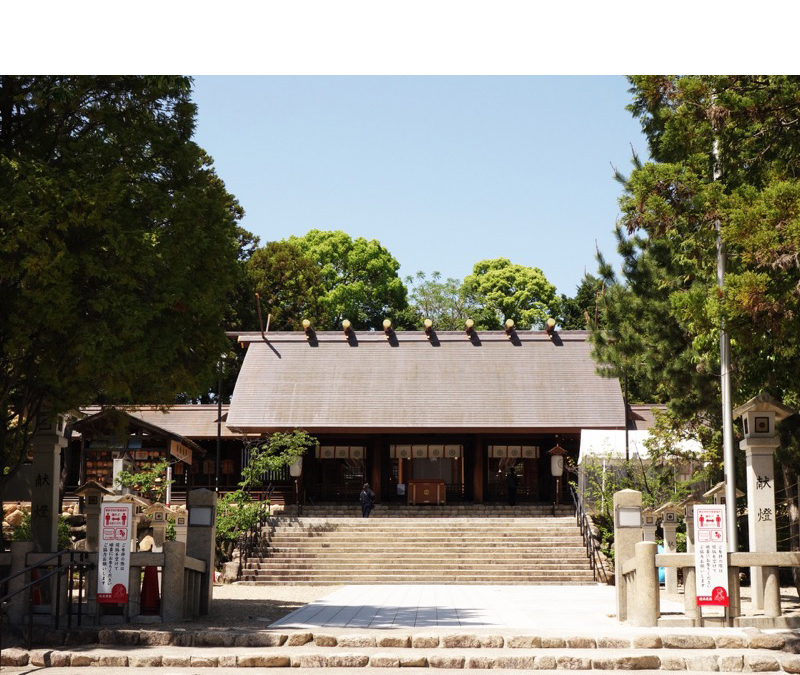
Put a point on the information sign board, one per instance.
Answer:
(114, 556)
(711, 554)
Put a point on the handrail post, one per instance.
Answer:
(690, 606)
(772, 591)
(18, 605)
(647, 588)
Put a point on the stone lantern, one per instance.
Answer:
(159, 517)
(649, 524)
(717, 494)
(688, 505)
(759, 417)
(669, 514)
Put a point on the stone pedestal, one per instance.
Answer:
(760, 507)
(627, 533)
(201, 539)
(649, 524)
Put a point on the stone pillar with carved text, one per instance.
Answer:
(47, 443)
(759, 417)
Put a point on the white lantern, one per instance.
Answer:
(296, 468)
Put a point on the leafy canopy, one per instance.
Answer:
(118, 248)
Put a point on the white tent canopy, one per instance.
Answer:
(610, 444)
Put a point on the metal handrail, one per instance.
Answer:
(82, 565)
(253, 540)
(589, 541)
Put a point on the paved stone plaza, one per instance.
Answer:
(539, 608)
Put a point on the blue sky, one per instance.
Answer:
(443, 171)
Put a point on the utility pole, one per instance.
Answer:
(725, 379)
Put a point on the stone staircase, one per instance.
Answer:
(423, 545)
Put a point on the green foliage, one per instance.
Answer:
(236, 513)
(118, 248)
(22, 532)
(289, 284)
(359, 277)
(583, 310)
(446, 303)
(150, 482)
(281, 449)
(502, 290)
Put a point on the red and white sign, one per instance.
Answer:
(114, 556)
(711, 555)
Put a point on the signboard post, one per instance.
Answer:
(711, 555)
(114, 557)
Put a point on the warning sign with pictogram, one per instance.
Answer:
(114, 556)
(711, 555)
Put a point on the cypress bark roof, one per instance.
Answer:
(410, 383)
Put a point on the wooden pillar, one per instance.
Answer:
(376, 454)
(478, 471)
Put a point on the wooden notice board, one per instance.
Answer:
(426, 491)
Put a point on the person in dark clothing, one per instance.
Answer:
(367, 499)
(511, 486)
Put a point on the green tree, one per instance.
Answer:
(446, 303)
(289, 284)
(118, 248)
(503, 290)
(671, 209)
(359, 276)
(578, 312)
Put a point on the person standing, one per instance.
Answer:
(367, 499)
(511, 486)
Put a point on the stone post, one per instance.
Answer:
(649, 524)
(158, 514)
(172, 596)
(647, 608)
(627, 533)
(759, 416)
(201, 539)
(688, 505)
(19, 605)
(47, 444)
(669, 523)
(92, 493)
(690, 607)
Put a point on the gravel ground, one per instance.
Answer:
(255, 607)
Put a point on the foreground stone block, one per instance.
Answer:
(515, 662)
(730, 641)
(613, 643)
(573, 663)
(579, 642)
(460, 641)
(81, 660)
(82, 636)
(673, 663)
(203, 661)
(731, 664)
(424, 641)
(760, 664)
(145, 661)
(394, 641)
(481, 662)
(647, 642)
(112, 661)
(791, 664)
(702, 663)
(413, 661)
(688, 642)
(176, 661)
(384, 661)
(766, 641)
(357, 641)
(267, 661)
(325, 640)
(229, 661)
(446, 661)
(491, 641)
(155, 638)
(260, 640)
(347, 661)
(524, 642)
(637, 662)
(59, 659)
(299, 639)
(553, 643)
(544, 663)
(13, 656)
(40, 657)
(212, 638)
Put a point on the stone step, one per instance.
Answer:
(477, 568)
(321, 579)
(443, 560)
